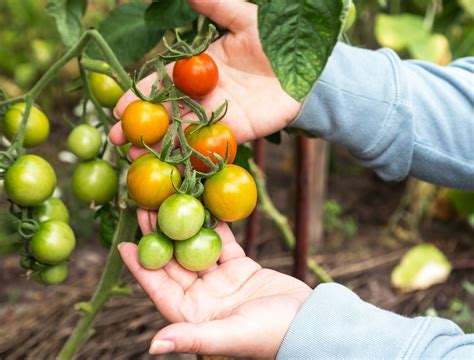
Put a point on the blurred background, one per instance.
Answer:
(368, 225)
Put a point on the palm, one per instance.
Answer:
(237, 292)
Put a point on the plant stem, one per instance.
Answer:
(109, 281)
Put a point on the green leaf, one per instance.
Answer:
(169, 14)
(108, 217)
(128, 34)
(244, 154)
(468, 6)
(298, 38)
(68, 15)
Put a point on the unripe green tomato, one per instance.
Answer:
(105, 89)
(85, 142)
(52, 209)
(37, 125)
(30, 181)
(199, 252)
(54, 274)
(95, 181)
(181, 216)
(351, 16)
(53, 242)
(154, 251)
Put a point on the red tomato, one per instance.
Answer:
(196, 76)
(216, 138)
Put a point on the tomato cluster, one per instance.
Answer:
(185, 214)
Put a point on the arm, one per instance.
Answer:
(398, 117)
(336, 323)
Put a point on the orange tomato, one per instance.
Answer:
(231, 194)
(144, 119)
(149, 181)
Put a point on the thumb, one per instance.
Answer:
(218, 337)
(234, 15)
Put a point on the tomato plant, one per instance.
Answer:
(199, 252)
(105, 89)
(180, 216)
(51, 209)
(37, 125)
(85, 141)
(30, 180)
(53, 242)
(196, 76)
(150, 181)
(351, 16)
(154, 251)
(231, 194)
(95, 182)
(215, 138)
(144, 120)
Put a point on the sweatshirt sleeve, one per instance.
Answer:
(397, 117)
(334, 323)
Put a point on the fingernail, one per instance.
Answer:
(120, 245)
(161, 347)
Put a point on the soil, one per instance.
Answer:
(35, 320)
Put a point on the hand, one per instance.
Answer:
(258, 106)
(236, 308)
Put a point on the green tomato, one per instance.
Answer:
(53, 242)
(54, 274)
(30, 181)
(181, 216)
(85, 142)
(199, 252)
(52, 209)
(95, 181)
(37, 125)
(351, 16)
(105, 89)
(154, 251)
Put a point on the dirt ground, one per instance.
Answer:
(34, 320)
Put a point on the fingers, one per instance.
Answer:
(230, 248)
(146, 220)
(165, 292)
(234, 15)
(116, 135)
(216, 337)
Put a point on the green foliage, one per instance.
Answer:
(68, 15)
(108, 216)
(336, 223)
(244, 154)
(170, 14)
(298, 38)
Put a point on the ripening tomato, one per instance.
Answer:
(37, 125)
(144, 119)
(85, 141)
(105, 89)
(30, 181)
(199, 252)
(180, 216)
(231, 194)
(51, 209)
(196, 76)
(53, 242)
(216, 138)
(154, 251)
(149, 181)
(95, 182)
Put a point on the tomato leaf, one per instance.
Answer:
(128, 34)
(244, 154)
(298, 38)
(168, 14)
(68, 15)
(274, 138)
(108, 217)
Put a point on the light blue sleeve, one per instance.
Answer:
(334, 323)
(397, 117)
